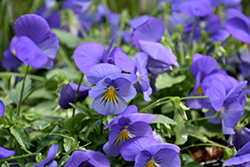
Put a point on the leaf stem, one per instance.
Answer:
(201, 119)
(192, 33)
(38, 78)
(21, 94)
(18, 157)
(76, 96)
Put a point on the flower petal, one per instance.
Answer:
(133, 146)
(152, 30)
(142, 158)
(77, 158)
(109, 106)
(53, 164)
(239, 29)
(5, 153)
(125, 88)
(220, 35)
(235, 92)
(98, 159)
(124, 61)
(2, 108)
(140, 129)
(88, 54)
(167, 157)
(51, 154)
(50, 46)
(29, 53)
(158, 52)
(217, 94)
(32, 26)
(196, 7)
(100, 71)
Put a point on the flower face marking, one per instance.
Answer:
(124, 135)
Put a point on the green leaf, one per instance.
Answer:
(15, 93)
(69, 73)
(67, 144)
(194, 164)
(163, 119)
(22, 136)
(165, 81)
(181, 135)
(67, 38)
(81, 109)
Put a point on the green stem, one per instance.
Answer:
(76, 96)
(159, 101)
(201, 144)
(41, 84)
(17, 157)
(101, 126)
(201, 119)
(192, 33)
(64, 136)
(21, 94)
(154, 103)
(65, 57)
(206, 50)
(38, 78)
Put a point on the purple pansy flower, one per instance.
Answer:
(52, 17)
(128, 126)
(241, 159)
(230, 105)
(68, 94)
(51, 154)
(148, 152)
(196, 8)
(238, 25)
(202, 67)
(81, 158)
(138, 68)
(36, 45)
(5, 153)
(241, 137)
(146, 37)
(111, 88)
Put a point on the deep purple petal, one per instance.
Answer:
(125, 88)
(216, 2)
(100, 71)
(115, 132)
(232, 113)
(152, 30)
(113, 149)
(239, 29)
(227, 130)
(68, 93)
(133, 146)
(235, 92)
(236, 13)
(129, 110)
(197, 91)
(2, 108)
(205, 64)
(142, 117)
(220, 35)
(210, 113)
(140, 129)
(88, 54)
(32, 26)
(196, 56)
(124, 61)
(244, 150)
(53, 164)
(217, 94)
(50, 46)
(52, 17)
(29, 53)
(155, 148)
(77, 158)
(5, 153)
(142, 158)
(105, 57)
(167, 157)
(241, 137)
(146, 94)
(196, 8)
(141, 58)
(105, 107)
(138, 21)
(98, 159)
(158, 52)
(51, 154)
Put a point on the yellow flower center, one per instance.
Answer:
(245, 46)
(110, 94)
(151, 164)
(123, 135)
(199, 91)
